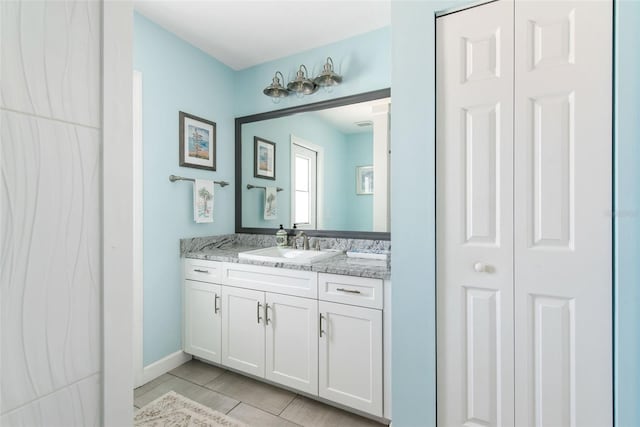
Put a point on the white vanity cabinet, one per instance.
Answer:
(202, 317)
(350, 356)
(272, 336)
(321, 334)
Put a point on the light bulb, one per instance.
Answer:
(327, 89)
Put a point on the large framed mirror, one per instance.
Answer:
(323, 167)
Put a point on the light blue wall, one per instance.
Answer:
(180, 77)
(627, 219)
(359, 215)
(413, 238)
(413, 212)
(311, 129)
(176, 77)
(363, 61)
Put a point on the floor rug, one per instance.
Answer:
(175, 410)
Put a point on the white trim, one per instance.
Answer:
(138, 252)
(386, 349)
(461, 7)
(319, 178)
(381, 167)
(117, 203)
(164, 365)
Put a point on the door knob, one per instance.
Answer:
(480, 267)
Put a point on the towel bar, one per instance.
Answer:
(174, 178)
(250, 187)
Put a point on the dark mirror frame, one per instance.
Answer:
(322, 105)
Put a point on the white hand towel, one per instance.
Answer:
(271, 203)
(203, 201)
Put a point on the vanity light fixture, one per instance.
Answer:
(328, 77)
(303, 85)
(275, 89)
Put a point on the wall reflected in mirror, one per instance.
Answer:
(332, 164)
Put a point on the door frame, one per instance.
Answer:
(138, 230)
(295, 140)
(117, 213)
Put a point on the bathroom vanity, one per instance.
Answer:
(320, 329)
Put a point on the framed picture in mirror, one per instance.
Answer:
(264, 160)
(364, 180)
(197, 142)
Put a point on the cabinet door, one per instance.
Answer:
(292, 341)
(351, 356)
(202, 320)
(243, 330)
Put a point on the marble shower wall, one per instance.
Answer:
(51, 192)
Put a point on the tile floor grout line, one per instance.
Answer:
(290, 402)
(269, 413)
(234, 407)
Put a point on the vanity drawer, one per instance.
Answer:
(271, 279)
(203, 270)
(361, 291)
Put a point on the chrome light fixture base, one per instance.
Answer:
(328, 77)
(275, 89)
(301, 84)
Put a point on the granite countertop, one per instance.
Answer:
(226, 249)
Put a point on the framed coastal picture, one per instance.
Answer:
(264, 160)
(197, 142)
(364, 180)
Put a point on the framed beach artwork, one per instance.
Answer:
(364, 180)
(264, 161)
(197, 142)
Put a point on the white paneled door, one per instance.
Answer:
(475, 216)
(523, 224)
(563, 352)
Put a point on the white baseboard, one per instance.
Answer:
(164, 365)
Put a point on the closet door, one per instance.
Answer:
(474, 215)
(562, 210)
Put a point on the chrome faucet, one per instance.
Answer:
(305, 240)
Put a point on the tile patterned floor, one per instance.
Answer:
(247, 400)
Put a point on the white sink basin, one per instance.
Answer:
(289, 255)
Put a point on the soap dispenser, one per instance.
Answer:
(281, 237)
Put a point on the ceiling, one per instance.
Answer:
(346, 117)
(245, 33)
